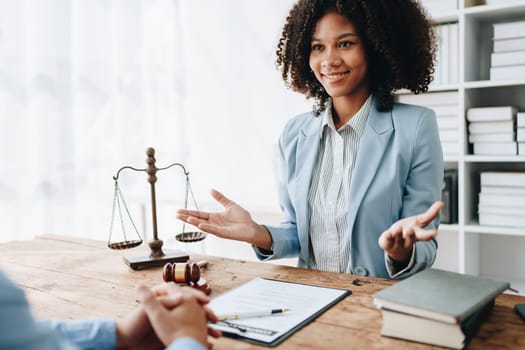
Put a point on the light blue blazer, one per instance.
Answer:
(398, 173)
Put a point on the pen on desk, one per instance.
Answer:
(251, 314)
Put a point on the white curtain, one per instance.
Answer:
(87, 85)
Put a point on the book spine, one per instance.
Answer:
(479, 114)
(431, 98)
(510, 58)
(501, 178)
(513, 190)
(505, 126)
(496, 148)
(520, 134)
(444, 53)
(509, 29)
(507, 72)
(496, 137)
(501, 220)
(505, 45)
(453, 53)
(514, 201)
(520, 119)
(472, 324)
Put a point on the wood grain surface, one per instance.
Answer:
(71, 278)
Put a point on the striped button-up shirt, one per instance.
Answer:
(328, 197)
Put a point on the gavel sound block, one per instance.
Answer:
(186, 274)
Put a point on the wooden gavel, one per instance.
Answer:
(186, 273)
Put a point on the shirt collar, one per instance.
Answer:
(357, 122)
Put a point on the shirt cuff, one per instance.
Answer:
(263, 254)
(94, 333)
(186, 344)
(394, 270)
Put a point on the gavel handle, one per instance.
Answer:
(202, 263)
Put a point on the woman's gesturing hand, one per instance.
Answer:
(234, 222)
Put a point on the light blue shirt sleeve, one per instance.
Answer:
(87, 334)
(186, 344)
(18, 328)
(20, 331)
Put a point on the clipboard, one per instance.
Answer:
(306, 302)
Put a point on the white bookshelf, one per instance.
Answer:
(468, 247)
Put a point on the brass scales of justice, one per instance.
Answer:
(157, 257)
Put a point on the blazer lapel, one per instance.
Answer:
(378, 130)
(307, 149)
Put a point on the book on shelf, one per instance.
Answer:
(496, 148)
(501, 126)
(489, 219)
(483, 114)
(502, 178)
(493, 137)
(444, 54)
(449, 196)
(503, 200)
(504, 45)
(441, 297)
(497, 209)
(507, 30)
(453, 42)
(444, 110)
(447, 54)
(447, 122)
(520, 119)
(450, 148)
(514, 190)
(437, 60)
(507, 72)
(520, 134)
(448, 134)
(431, 98)
(509, 58)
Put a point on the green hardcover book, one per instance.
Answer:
(424, 330)
(440, 295)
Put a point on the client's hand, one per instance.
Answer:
(175, 312)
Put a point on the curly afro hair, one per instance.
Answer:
(399, 43)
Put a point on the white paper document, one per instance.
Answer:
(305, 302)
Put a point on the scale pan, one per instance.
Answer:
(194, 236)
(124, 244)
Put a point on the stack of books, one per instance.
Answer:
(447, 57)
(445, 105)
(520, 132)
(437, 307)
(508, 57)
(492, 130)
(502, 198)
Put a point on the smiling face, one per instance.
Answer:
(338, 58)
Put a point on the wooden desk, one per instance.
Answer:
(70, 278)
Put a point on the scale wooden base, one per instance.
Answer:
(147, 261)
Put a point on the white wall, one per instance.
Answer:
(194, 79)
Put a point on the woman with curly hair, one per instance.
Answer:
(357, 170)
